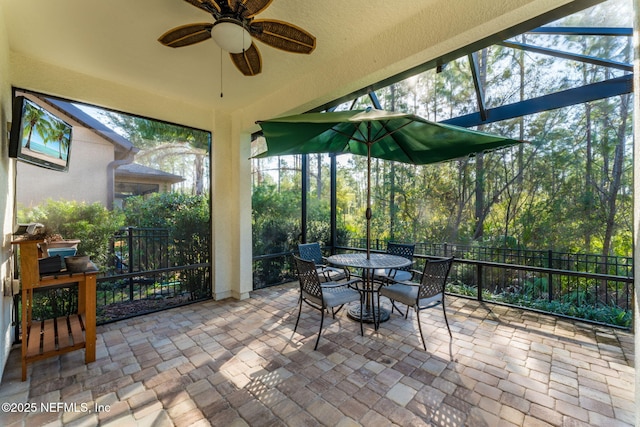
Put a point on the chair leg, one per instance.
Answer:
(394, 306)
(320, 331)
(299, 312)
(361, 307)
(444, 311)
(377, 325)
(420, 328)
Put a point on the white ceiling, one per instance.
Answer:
(359, 42)
(116, 40)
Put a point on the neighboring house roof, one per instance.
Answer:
(120, 143)
(136, 171)
(130, 171)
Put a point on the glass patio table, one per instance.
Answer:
(370, 313)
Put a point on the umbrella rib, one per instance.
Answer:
(391, 134)
(365, 139)
(388, 131)
(350, 135)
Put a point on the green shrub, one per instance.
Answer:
(92, 224)
(187, 219)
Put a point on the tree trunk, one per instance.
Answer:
(199, 178)
(590, 187)
(616, 179)
(392, 176)
(520, 179)
(392, 200)
(480, 211)
(588, 180)
(319, 178)
(462, 199)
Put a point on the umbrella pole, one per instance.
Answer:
(368, 211)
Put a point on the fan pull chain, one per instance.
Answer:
(221, 94)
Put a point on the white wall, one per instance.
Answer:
(6, 196)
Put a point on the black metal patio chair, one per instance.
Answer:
(428, 293)
(323, 296)
(387, 276)
(312, 252)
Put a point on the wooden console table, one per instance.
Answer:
(52, 337)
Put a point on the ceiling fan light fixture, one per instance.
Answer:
(231, 35)
(234, 28)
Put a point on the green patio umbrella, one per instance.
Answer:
(373, 133)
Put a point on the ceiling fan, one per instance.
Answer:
(234, 28)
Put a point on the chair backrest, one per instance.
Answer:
(309, 280)
(310, 252)
(434, 277)
(402, 249)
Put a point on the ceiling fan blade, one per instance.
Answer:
(283, 35)
(248, 62)
(206, 5)
(186, 35)
(251, 7)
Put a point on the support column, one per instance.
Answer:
(231, 211)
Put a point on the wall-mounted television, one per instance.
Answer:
(38, 137)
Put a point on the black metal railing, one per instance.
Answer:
(583, 286)
(150, 271)
(141, 249)
(273, 269)
(571, 261)
(131, 294)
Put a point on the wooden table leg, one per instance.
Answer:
(25, 308)
(90, 317)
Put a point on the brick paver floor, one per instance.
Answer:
(238, 363)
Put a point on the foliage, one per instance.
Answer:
(567, 190)
(276, 219)
(52, 303)
(459, 288)
(185, 216)
(608, 314)
(92, 224)
(187, 219)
